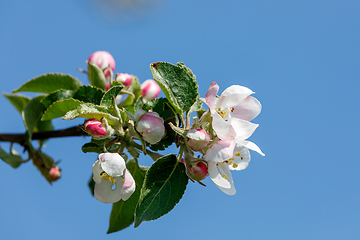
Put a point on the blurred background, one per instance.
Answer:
(300, 57)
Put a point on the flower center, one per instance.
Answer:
(111, 179)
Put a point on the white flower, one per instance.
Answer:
(220, 173)
(231, 113)
(113, 181)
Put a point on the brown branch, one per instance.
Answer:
(68, 132)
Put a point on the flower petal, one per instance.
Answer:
(128, 188)
(241, 158)
(221, 176)
(223, 128)
(210, 96)
(104, 193)
(247, 109)
(232, 96)
(96, 168)
(251, 145)
(220, 151)
(244, 129)
(112, 163)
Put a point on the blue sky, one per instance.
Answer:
(301, 59)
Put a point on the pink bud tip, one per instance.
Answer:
(198, 171)
(54, 174)
(95, 128)
(103, 59)
(150, 89)
(124, 78)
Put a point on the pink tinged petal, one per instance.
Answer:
(103, 59)
(139, 113)
(232, 96)
(151, 127)
(220, 151)
(96, 169)
(247, 109)
(241, 158)
(211, 96)
(221, 176)
(150, 89)
(223, 128)
(112, 163)
(104, 192)
(198, 139)
(251, 146)
(128, 188)
(244, 129)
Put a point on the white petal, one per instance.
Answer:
(112, 163)
(96, 168)
(220, 151)
(251, 145)
(223, 128)
(211, 95)
(232, 96)
(104, 193)
(217, 174)
(247, 109)
(241, 158)
(128, 188)
(244, 129)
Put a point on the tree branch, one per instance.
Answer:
(68, 132)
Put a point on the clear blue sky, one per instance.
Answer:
(300, 57)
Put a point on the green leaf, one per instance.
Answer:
(32, 114)
(122, 213)
(57, 96)
(88, 110)
(92, 147)
(12, 159)
(50, 82)
(96, 76)
(60, 108)
(128, 102)
(111, 94)
(89, 94)
(17, 100)
(164, 186)
(178, 84)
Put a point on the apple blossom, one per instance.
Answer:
(150, 125)
(123, 78)
(220, 173)
(198, 139)
(54, 174)
(231, 113)
(150, 89)
(103, 59)
(113, 181)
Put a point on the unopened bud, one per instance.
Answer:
(103, 59)
(123, 78)
(150, 89)
(96, 128)
(150, 125)
(54, 174)
(198, 139)
(198, 171)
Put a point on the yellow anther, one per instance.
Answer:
(235, 165)
(231, 159)
(222, 163)
(237, 154)
(123, 180)
(230, 162)
(222, 113)
(224, 176)
(113, 181)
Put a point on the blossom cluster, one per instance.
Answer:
(220, 135)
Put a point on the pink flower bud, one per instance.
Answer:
(150, 89)
(198, 139)
(95, 128)
(123, 78)
(54, 174)
(150, 125)
(103, 59)
(107, 86)
(198, 171)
